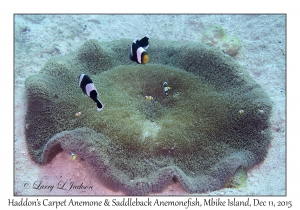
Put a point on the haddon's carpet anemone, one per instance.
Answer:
(214, 121)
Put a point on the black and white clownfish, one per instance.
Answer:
(138, 50)
(88, 88)
(166, 88)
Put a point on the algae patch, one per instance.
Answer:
(217, 37)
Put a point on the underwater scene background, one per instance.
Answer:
(252, 47)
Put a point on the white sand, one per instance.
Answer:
(262, 55)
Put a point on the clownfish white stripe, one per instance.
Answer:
(139, 52)
(80, 79)
(89, 87)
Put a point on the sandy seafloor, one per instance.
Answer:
(39, 37)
